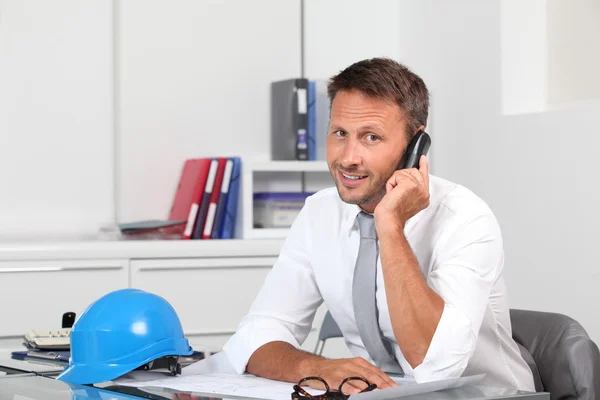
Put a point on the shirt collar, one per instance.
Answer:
(350, 213)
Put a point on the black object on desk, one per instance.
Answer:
(68, 319)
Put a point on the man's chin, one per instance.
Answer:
(356, 198)
(351, 200)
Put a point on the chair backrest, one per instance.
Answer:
(567, 359)
(329, 329)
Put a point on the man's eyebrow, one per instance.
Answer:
(369, 127)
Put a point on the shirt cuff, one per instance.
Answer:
(451, 347)
(252, 335)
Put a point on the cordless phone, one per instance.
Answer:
(419, 146)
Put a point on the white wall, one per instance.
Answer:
(194, 81)
(56, 133)
(536, 171)
(573, 50)
(341, 32)
(547, 202)
(524, 49)
(550, 54)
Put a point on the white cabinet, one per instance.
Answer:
(210, 295)
(210, 284)
(35, 294)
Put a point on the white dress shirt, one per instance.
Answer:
(458, 244)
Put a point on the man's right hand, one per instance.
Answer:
(335, 371)
(282, 361)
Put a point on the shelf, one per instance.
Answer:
(268, 233)
(319, 173)
(137, 249)
(290, 166)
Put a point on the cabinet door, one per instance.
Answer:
(35, 294)
(210, 295)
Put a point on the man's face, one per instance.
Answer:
(365, 144)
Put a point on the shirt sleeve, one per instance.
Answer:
(286, 304)
(463, 275)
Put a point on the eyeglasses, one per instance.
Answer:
(331, 394)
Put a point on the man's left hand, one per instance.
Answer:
(407, 193)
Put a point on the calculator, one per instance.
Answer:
(57, 339)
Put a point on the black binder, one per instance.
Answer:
(289, 120)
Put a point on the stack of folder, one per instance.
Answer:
(299, 119)
(207, 197)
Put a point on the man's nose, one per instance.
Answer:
(351, 154)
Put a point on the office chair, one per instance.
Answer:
(564, 360)
(329, 329)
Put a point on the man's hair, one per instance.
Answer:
(388, 80)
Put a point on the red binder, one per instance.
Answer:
(189, 193)
(214, 199)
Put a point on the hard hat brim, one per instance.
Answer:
(85, 375)
(88, 374)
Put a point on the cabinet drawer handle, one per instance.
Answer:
(59, 268)
(202, 268)
(259, 262)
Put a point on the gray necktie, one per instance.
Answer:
(364, 302)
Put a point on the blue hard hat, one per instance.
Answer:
(121, 331)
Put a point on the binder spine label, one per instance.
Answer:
(210, 217)
(191, 219)
(302, 101)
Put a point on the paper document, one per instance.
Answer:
(215, 375)
(215, 364)
(406, 389)
(223, 385)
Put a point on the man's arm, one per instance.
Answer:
(467, 267)
(415, 309)
(282, 361)
(436, 323)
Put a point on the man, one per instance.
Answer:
(409, 265)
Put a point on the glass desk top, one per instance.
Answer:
(36, 387)
(35, 380)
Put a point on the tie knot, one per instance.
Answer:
(366, 223)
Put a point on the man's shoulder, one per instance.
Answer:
(458, 217)
(456, 198)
